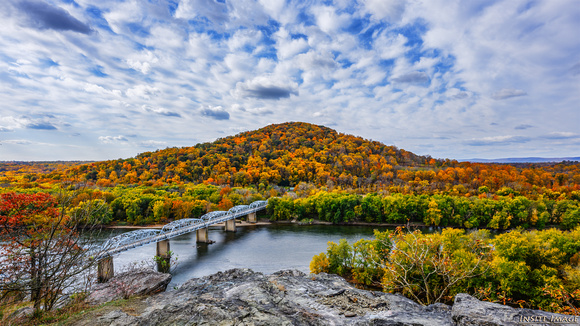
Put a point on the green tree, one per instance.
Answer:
(425, 269)
(340, 257)
(571, 218)
(433, 215)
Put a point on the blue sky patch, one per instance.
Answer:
(71, 2)
(366, 38)
(444, 64)
(297, 36)
(41, 126)
(47, 63)
(172, 5)
(357, 25)
(138, 29)
(97, 18)
(413, 32)
(345, 63)
(387, 64)
(306, 18)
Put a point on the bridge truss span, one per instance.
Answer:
(138, 238)
(179, 224)
(213, 215)
(129, 237)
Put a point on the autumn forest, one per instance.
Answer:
(305, 166)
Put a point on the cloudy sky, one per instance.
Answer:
(105, 79)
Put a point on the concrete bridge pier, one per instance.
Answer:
(231, 225)
(163, 256)
(105, 269)
(252, 218)
(201, 236)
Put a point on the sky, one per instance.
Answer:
(108, 79)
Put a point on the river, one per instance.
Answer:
(263, 248)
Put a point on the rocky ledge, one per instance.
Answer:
(138, 282)
(244, 297)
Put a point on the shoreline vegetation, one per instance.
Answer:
(266, 222)
(525, 269)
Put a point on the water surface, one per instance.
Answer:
(262, 248)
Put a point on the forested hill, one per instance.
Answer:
(282, 154)
(290, 153)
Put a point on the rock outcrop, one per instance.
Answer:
(244, 297)
(125, 285)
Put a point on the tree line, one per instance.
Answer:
(140, 205)
(484, 211)
(127, 205)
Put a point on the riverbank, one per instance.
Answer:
(243, 223)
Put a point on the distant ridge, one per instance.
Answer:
(523, 160)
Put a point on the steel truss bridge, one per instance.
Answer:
(138, 238)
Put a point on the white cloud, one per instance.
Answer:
(142, 61)
(259, 111)
(328, 20)
(165, 37)
(497, 140)
(390, 10)
(142, 91)
(16, 142)
(288, 47)
(113, 139)
(562, 135)
(191, 9)
(161, 111)
(9, 123)
(390, 46)
(244, 38)
(508, 93)
(122, 13)
(153, 143)
(92, 88)
(273, 7)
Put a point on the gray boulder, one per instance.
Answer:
(116, 318)
(128, 284)
(468, 311)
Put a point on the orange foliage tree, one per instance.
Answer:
(42, 254)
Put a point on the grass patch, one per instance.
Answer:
(77, 311)
(8, 309)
